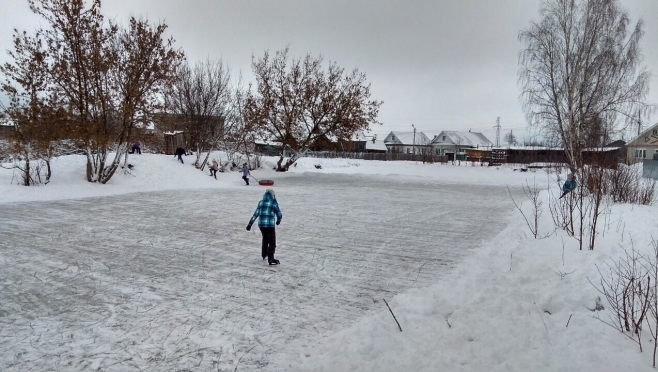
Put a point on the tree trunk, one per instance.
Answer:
(279, 168)
(26, 173)
(108, 172)
(48, 170)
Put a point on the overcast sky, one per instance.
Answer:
(440, 65)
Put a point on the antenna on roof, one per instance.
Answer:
(497, 126)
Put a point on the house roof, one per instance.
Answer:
(6, 122)
(358, 136)
(617, 143)
(472, 139)
(645, 138)
(407, 138)
(267, 143)
(376, 145)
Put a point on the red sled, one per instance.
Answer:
(266, 182)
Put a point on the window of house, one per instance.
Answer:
(655, 131)
(641, 153)
(444, 138)
(437, 151)
(408, 151)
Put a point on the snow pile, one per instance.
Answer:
(506, 308)
(150, 172)
(155, 172)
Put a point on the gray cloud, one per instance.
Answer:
(437, 64)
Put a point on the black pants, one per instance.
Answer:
(136, 150)
(246, 179)
(180, 158)
(269, 242)
(213, 172)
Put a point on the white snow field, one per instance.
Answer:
(155, 272)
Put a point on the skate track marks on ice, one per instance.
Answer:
(172, 281)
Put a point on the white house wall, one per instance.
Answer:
(647, 141)
(408, 149)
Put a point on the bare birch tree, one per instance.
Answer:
(201, 98)
(240, 133)
(581, 67)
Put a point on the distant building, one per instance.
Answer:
(454, 143)
(644, 146)
(269, 148)
(361, 142)
(376, 146)
(7, 128)
(408, 143)
(355, 144)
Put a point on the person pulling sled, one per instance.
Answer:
(245, 173)
(569, 185)
(266, 211)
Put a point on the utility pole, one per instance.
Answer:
(497, 126)
(414, 144)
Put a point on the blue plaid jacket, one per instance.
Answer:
(569, 185)
(267, 209)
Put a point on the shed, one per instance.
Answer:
(173, 140)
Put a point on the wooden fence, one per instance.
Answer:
(382, 156)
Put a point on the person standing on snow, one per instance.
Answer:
(569, 185)
(137, 148)
(266, 211)
(180, 152)
(213, 168)
(245, 173)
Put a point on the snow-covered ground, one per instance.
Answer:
(155, 271)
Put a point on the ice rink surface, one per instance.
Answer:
(172, 281)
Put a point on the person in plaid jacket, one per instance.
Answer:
(267, 210)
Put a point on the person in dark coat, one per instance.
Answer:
(245, 173)
(137, 148)
(266, 212)
(569, 185)
(180, 152)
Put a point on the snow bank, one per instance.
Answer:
(506, 308)
(150, 172)
(155, 172)
(448, 173)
